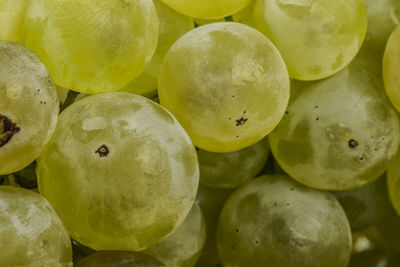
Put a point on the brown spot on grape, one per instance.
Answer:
(317, 119)
(102, 151)
(237, 230)
(353, 143)
(286, 112)
(7, 129)
(241, 121)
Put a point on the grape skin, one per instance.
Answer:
(28, 99)
(32, 234)
(274, 221)
(11, 20)
(120, 170)
(92, 46)
(226, 84)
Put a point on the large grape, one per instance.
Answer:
(207, 9)
(28, 107)
(226, 83)
(274, 221)
(317, 38)
(31, 232)
(120, 170)
(11, 19)
(339, 133)
(119, 259)
(94, 45)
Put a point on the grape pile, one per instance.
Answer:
(200, 133)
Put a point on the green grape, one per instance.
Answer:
(120, 170)
(226, 83)
(338, 134)
(119, 259)
(79, 251)
(207, 9)
(391, 65)
(274, 221)
(211, 201)
(364, 206)
(11, 19)
(246, 15)
(230, 170)
(28, 107)
(172, 26)
(31, 232)
(92, 46)
(183, 247)
(317, 38)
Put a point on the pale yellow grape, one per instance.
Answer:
(92, 46)
(28, 107)
(11, 19)
(172, 25)
(226, 84)
(391, 68)
(317, 38)
(183, 247)
(207, 9)
(120, 171)
(31, 232)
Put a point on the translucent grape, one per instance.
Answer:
(119, 259)
(207, 9)
(230, 170)
(32, 234)
(183, 247)
(95, 45)
(338, 134)
(274, 221)
(226, 83)
(120, 170)
(11, 19)
(28, 107)
(317, 38)
(172, 26)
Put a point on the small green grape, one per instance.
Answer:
(92, 46)
(230, 170)
(207, 9)
(317, 38)
(31, 232)
(120, 170)
(28, 107)
(119, 259)
(274, 221)
(11, 19)
(338, 133)
(183, 247)
(226, 83)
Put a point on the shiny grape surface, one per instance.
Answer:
(119, 259)
(95, 45)
(274, 221)
(317, 38)
(31, 232)
(338, 134)
(28, 107)
(207, 9)
(11, 19)
(183, 247)
(230, 170)
(226, 83)
(120, 170)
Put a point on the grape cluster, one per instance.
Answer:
(200, 133)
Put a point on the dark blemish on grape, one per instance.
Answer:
(287, 204)
(241, 121)
(362, 158)
(237, 230)
(286, 112)
(237, 136)
(375, 149)
(230, 118)
(44, 243)
(257, 241)
(291, 189)
(275, 204)
(317, 119)
(43, 102)
(244, 111)
(38, 90)
(102, 151)
(7, 130)
(233, 96)
(353, 143)
(316, 107)
(233, 247)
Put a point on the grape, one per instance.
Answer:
(172, 26)
(119, 259)
(183, 247)
(120, 170)
(391, 65)
(246, 15)
(207, 9)
(92, 46)
(317, 38)
(230, 170)
(393, 180)
(211, 201)
(11, 19)
(28, 107)
(226, 83)
(338, 134)
(274, 221)
(31, 232)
